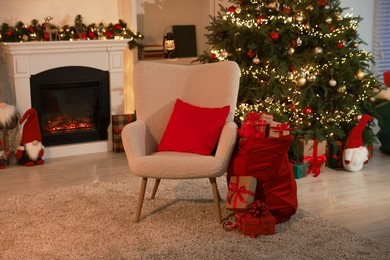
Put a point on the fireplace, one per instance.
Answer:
(27, 60)
(73, 104)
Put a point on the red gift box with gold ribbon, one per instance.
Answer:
(241, 192)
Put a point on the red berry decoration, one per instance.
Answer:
(117, 26)
(340, 45)
(286, 10)
(46, 36)
(213, 56)
(109, 34)
(231, 9)
(274, 36)
(91, 35)
(9, 33)
(250, 53)
(307, 110)
(332, 28)
(31, 29)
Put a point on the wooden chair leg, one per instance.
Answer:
(217, 197)
(156, 183)
(141, 197)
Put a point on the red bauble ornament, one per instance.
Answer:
(46, 36)
(322, 3)
(250, 53)
(44, 25)
(91, 35)
(286, 10)
(213, 56)
(307, 110)
(231, 9)
(293, 107)
(260, 20)
(117, 26)
(9, 33)
(31, 29)
(332, 28)
(340, 45)
(274, 36)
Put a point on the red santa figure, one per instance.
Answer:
(355, 153)
(31, 150)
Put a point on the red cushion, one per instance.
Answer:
(193, 129)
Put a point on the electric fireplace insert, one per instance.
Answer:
(73, 104)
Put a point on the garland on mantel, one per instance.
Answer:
(78, 31)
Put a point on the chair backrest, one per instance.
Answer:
(158, 85)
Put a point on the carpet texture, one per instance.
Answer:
(94, 221)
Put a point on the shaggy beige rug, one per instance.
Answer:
(94, 221)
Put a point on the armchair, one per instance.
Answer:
(157, 87)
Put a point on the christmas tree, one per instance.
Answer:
(300, 61)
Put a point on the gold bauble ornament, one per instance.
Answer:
(273, 5)
(332, 82)
(25, 37)
(256, 60)
(301, 81)
(342, 89)
(312, 77)
(318, 50)
(310, 8)
(291, 51)
(299, 18)
(328, 20)
(360, 75)
(238, 10)
(224, 54)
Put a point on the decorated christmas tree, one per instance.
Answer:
(300, 61)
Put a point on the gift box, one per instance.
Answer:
(278, 130)
(300, 169)
(241, 192)
(335, 155)
(118, 122)
(254, 226)
(314, 154)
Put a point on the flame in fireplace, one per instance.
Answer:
(65, 123)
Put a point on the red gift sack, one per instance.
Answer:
(266, 159)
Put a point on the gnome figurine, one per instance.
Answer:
(355, 153)
(31, 150)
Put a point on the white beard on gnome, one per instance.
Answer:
(33, 149)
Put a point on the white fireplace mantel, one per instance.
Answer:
(29, 58)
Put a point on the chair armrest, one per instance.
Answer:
(133, 139)
(227, 141)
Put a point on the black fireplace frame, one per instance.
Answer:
(73, 76)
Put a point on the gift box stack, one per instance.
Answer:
(118, 122)
(262, 125)
(334, 155)
(252, 217)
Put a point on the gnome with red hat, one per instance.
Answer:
(355, 153)
(31, 150)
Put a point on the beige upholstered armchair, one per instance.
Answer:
(157, 86)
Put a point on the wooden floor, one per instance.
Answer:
(359, 201)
